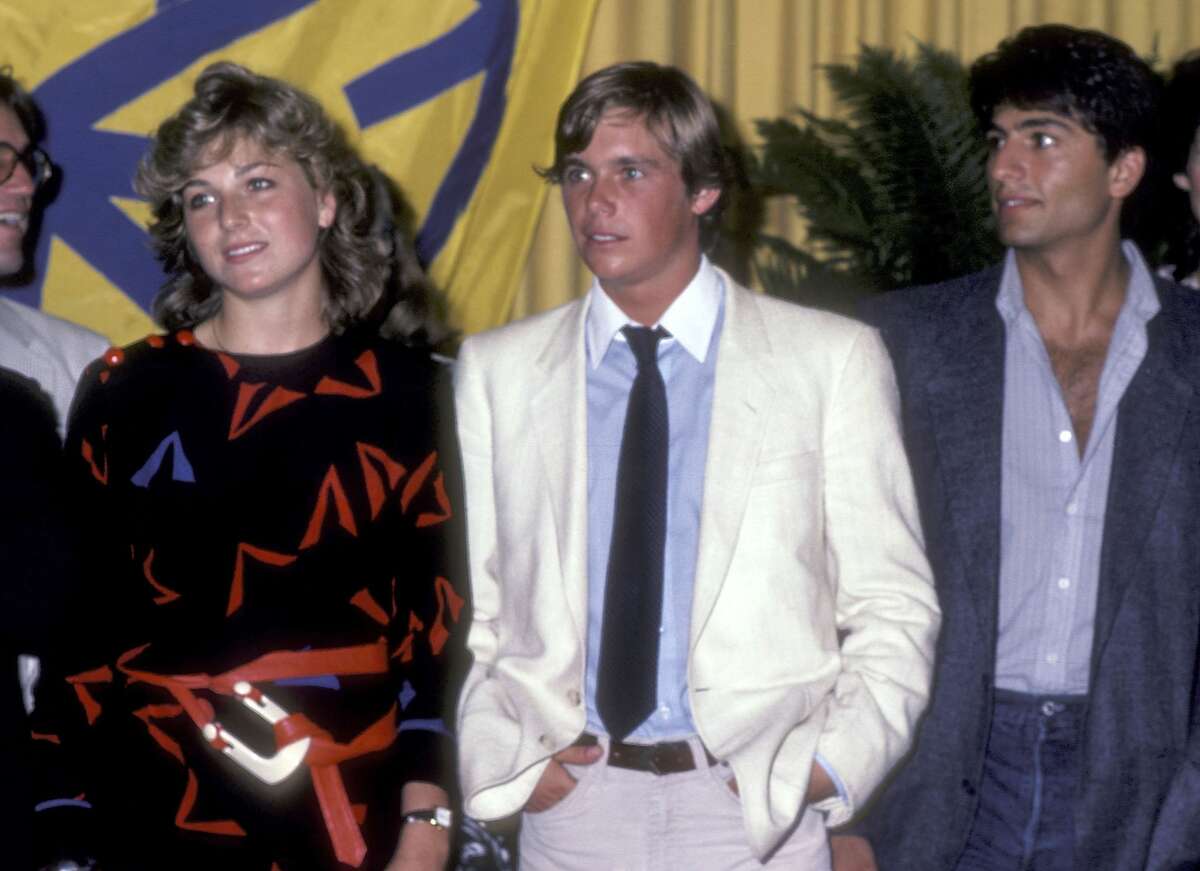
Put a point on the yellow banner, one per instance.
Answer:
(454, 99)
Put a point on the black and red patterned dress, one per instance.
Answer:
(259, 527)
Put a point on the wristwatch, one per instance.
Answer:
(438, 817)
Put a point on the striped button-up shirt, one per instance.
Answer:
(1053, 499)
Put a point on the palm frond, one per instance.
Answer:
(794, 274)
(894, 191)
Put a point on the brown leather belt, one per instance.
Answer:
(665, 757)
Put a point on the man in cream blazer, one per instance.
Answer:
(798, 615)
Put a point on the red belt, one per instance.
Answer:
(298, 740)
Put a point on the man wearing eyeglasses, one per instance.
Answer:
(51, 351)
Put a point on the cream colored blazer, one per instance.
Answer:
(813, 617)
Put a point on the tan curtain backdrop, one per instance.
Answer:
(760, 58)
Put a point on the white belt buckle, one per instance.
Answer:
(269, 769)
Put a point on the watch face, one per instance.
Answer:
(437, 816)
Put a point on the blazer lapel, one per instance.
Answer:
(965, 389)
(559, 423)
(741, 396)
(1150, 426)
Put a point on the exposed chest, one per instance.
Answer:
(1078, 369)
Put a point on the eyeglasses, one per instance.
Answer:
(35, 161)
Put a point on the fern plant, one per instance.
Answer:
(894, 192)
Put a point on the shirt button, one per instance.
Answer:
(573, 697)
(547, 742)
(1052, 658)
(664, 712)
(1064, 583)
(1064, 436)
(1072, 508)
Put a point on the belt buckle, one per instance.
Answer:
(652, 759)
(648, 756)
(269, 769)
(1051, 708)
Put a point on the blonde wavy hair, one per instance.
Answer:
(370, 269)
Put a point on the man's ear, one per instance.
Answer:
(1126, 171)
(1182, 181)
(704, 199)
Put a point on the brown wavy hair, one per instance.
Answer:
(674, 109)
(370, 269)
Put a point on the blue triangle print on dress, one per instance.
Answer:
(406, 695)
(181, 468)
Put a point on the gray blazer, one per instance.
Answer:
(947, 343)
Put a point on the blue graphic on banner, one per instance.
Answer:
(97, 165)
(484, 42)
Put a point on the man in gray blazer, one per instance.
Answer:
(1051, 417)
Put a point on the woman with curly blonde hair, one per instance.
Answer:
(270, 493)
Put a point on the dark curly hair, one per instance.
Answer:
(1181, 126)
(17, 98)
(674, 109)
(1083, 74)
(370, 269)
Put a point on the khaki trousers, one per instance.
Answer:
(621, 820)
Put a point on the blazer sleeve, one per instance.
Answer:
(488, 728)
(886, 605)
(1175, 843)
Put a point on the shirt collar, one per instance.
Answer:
(1140, 298)
(690, 319)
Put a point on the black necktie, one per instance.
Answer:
(628, 676)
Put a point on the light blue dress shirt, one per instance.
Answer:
(1052, 500)
(687, 361)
